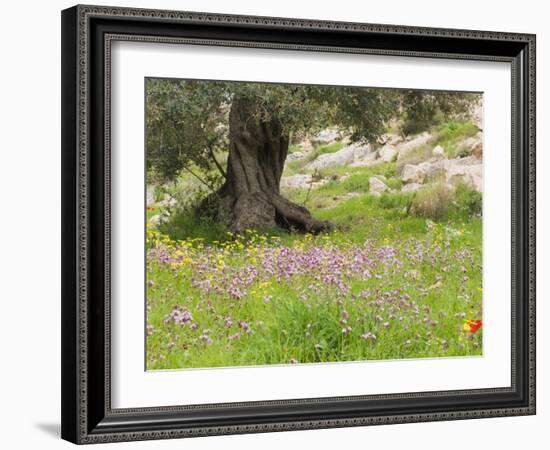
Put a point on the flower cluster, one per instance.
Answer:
(318, 293)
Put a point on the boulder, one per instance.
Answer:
(413, 173)
(387, 153)
(353, 154)
(471, 175)
(300, 181)
(150, 195)
(411, 187)
(410, 144)
(390, 138)
(326, 136)
(474, 144)
(367, 160)
(459, 170)
(477, 151)
(478, 115)
(168, 202)
(376, 185)
(306, 145)
(438, 152)
(295, 156)
(339, 158)
(361, 151)
(157, 219)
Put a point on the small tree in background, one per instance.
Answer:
(422, 109)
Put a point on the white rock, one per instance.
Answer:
(391, 139)
(438, 151)
(472, 141)
(306, 145)
(340, 158)
(353, 154)
(367, 160)
(295, 181)
(474, 144)
(155, 220)
(150, 195)
(478, 115)
(168, 202)
(300, 181)
(413, 173)
(387, 153)
(361, 151)
(326, 136)
(353, 194)
(377, 185)
(467, 170)
(471, 175)
(295, 156)
(405, 147)
(411, 187)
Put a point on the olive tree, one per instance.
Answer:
(190, 122)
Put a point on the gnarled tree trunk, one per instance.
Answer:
(250, 197)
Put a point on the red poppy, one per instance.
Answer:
(472, 325)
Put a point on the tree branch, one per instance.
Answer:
(208, 185)
(218, 165)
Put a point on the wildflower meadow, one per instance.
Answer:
(322, 225)
(260, 299)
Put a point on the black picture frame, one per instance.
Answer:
(87, 416)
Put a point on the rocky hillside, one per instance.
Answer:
(451, 154)
(327, 170)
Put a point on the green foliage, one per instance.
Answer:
(394, 183)
(292, 148)
(185, 224)
(183, 126)
(449, 135)
(432, 201)
(329, 148)
(293, 326)
(399, 202)
(356, 182)
(416, 155)
(467, 202)
(292, 323)
(317, 151)
(187, 120)
(423, 109)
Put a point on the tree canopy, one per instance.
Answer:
(187, 120)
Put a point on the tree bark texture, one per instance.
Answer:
(250, 197)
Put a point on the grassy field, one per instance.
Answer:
(390, 282)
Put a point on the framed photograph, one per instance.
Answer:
(279, 224)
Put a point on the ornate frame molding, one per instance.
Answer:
(80, 418)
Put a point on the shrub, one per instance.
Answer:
(390, 170)
(397, 201)
(468, 201)
(448, 135)
(184, 224)
(394, 183)
(432, 201)
(356, 183)
(294, 148)
(462, 152)
(417, 155)
(330, 148)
